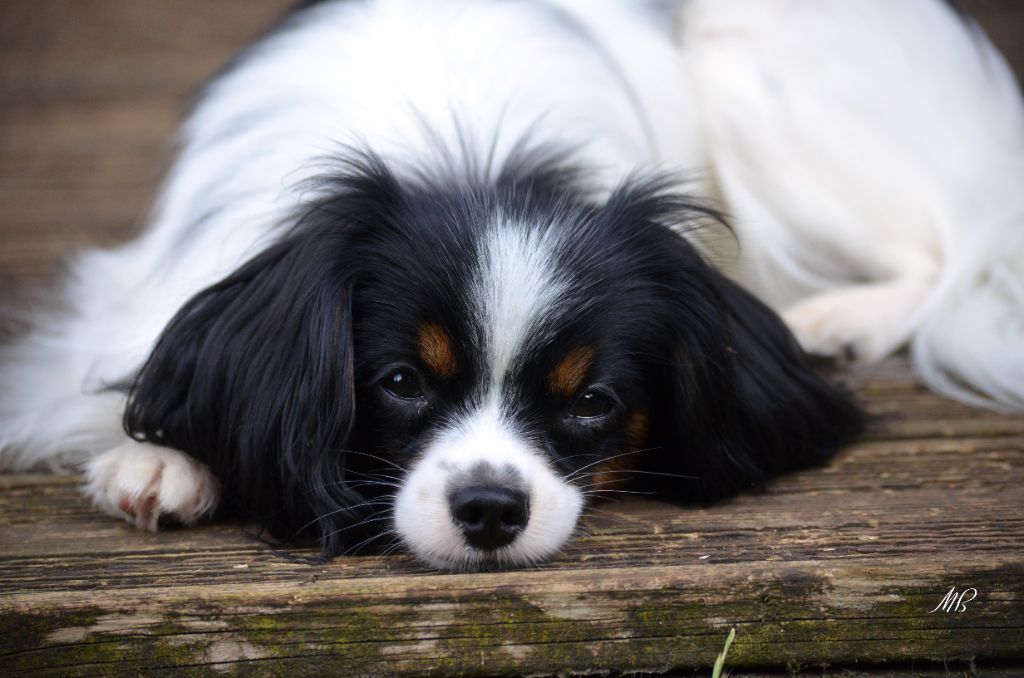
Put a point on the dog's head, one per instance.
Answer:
(461, 365)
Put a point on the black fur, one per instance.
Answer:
(271, 375)
(745, 402)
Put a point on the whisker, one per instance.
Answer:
(392, 548)
(336, 483)
(337, 532)
(594, 512)
(577, 472)
(610, 481)
(580, 470)
(595, 492)
(387, 504)
(574, 456)
(373, 456)
(366, 483)
(375, 475)
(368, 540)
(323, 486)
(650, 473)
(580, 532)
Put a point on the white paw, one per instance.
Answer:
(853, 324)
(143, 483)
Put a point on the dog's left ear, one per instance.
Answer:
(743, 402)
(254, 376)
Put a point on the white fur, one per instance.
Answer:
(422, 513)
(871, 151)
(453, 67)
(143, 483)
(456, 69)
(516, 291)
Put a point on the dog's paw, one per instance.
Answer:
(852, 324)
(145, 484)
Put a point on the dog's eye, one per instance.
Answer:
(402, 383)
(591, 405)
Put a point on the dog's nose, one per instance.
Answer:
(490, 516)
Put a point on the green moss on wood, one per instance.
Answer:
(781, 621)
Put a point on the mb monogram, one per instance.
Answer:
(956, 602)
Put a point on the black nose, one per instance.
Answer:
(490, 516)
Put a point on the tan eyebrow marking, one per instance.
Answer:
(567, 376)
(435, 349)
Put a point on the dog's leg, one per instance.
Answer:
(143, 483)
(865, 322)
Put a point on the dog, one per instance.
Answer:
(437, 274)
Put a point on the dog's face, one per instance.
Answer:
(460, 366)
(502, 367)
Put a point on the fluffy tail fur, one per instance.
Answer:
(872, 154)
(970, 345)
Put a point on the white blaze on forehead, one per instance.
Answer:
(514, 297)
(517, 288)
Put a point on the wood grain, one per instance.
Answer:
(837, 567)
(90, 92)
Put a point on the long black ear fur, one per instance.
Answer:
(745, 405)
(254, 378)
(254, 375)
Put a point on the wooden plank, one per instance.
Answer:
(90, 93)
(838, 565)
(652, 618)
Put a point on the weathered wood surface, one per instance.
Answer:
(839, 566)
(836, 566)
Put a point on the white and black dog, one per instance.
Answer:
(425, 272)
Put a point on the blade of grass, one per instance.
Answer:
(720, 662)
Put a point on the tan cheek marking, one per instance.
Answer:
(567, 376)
(435, 350)
(637, 428)
(609, 475)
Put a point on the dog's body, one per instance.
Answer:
(411, 238)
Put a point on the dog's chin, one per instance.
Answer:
(458, 556)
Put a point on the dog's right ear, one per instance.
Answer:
(254, 375)
(746, 403)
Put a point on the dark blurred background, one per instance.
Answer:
(91, 90)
